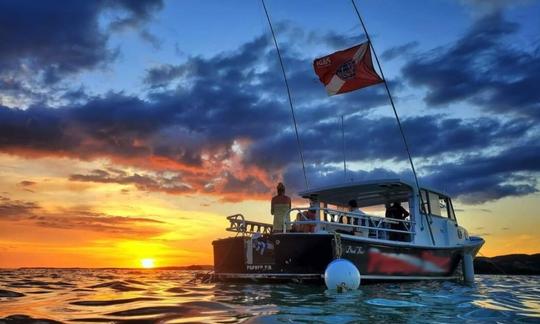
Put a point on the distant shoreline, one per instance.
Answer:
(511, 264)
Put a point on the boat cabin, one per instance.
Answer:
(387, 228)
(368, 210)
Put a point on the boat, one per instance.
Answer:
(427, 245)
(388, 229)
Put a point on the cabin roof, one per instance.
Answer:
(366, 193)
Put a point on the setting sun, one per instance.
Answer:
(147, 263)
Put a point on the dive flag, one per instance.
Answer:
(347, 70)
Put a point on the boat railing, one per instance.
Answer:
(237, 223)
(350, 222)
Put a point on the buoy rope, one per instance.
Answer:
(338, 251)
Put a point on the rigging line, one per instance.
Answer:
(343, 139)
(288, 93)
(394, 109)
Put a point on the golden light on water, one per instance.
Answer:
(147, 263)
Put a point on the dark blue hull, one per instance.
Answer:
(305, 256)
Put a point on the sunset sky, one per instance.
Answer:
(129, 130)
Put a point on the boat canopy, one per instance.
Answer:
(366, 193)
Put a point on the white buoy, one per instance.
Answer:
(341, 274)
(468, 268)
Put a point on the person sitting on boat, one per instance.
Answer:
(280, 206)
(353, 207)
(396, 211)
(310, 214)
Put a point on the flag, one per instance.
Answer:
(347, 70)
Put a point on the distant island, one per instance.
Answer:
(512, 264)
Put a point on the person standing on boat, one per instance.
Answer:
(396, 211)
(280, 206)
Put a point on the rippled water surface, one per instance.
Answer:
(166, 296)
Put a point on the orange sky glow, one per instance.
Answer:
(50, 220)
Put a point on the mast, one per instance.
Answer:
(397, 119)
(343, 140)
(288, 94)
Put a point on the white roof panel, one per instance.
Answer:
(366, 193)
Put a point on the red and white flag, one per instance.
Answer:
(347, 70)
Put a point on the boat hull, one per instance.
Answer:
(301, 256)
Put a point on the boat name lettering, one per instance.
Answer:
(354, 249)
(258, 267)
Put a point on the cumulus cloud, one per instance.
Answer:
(477, 178)
(483, 68)
(44, 42)
(221, 125)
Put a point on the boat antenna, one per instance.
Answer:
(343, 139)
(395, 113)
(288, 93)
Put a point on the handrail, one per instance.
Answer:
(240, 225)
(382, 229)
(374, 224)
(355, 215)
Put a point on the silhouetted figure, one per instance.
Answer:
(280, 206)
(396, 211)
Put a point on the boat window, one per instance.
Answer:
(451, 214)
(443, 204)
(434, 204)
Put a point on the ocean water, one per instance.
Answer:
(167, 296)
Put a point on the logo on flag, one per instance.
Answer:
(347, 70)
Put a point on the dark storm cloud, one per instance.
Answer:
(483, 67)
(444, 144)
(477, 179)
(222, 125)
(62, 36)
(473, 179)
(45, 41)
(368, 138)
